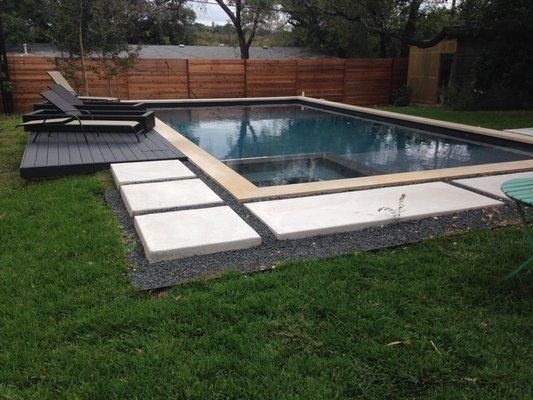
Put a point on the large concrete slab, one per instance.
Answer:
(145, 198)
(522, 131)
(178, 234)
(350, 211)
(492, 184)
(150, 171)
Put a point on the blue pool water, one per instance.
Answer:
(280, 144)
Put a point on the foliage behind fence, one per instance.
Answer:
(354, 81)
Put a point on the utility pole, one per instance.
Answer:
(5, 86)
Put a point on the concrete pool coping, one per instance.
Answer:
(243, 190)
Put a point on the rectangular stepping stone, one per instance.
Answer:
(342, 212)
(178, 234)
(150, 171)
(143, 198)
(491, 184)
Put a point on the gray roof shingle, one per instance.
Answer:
(191, 52)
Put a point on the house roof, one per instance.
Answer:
(191, 52)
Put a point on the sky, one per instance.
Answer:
(207, 13)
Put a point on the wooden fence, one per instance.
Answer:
(354, 81)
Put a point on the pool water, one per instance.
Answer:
(279, 144)
(268, 171)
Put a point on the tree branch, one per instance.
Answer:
(228, 11)
(257, 17)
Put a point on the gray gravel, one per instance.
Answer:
(272, 251)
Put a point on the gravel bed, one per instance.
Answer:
(272, 251)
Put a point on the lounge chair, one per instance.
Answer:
(73, 124)
(78, 104)
(71, 121)
(60, 80)
(146, 118)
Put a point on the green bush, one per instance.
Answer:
(497, 97)
(402, 96)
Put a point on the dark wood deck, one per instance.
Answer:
(68, 153)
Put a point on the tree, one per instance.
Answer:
(82, 28)
(246, 17)
(501, 32)
(68, 31)
(392, 24)
(108, 36)
(161, 22)
(26, 21)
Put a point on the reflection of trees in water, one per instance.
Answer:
(240, 144)
(284, 130)
(183, 121)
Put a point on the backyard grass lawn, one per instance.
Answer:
(433, 320)
(486, 119)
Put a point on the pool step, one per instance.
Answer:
(349, 211)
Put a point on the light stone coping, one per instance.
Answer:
(492, 184)
(150, 171)
(179, 234)
(145, 198)
(349, 211)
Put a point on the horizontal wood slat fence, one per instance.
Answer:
(354, 81)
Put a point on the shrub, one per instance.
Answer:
(402, 96)
(498, 97)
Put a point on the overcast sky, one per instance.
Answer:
(207, 13)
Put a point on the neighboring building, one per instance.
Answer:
(448, 59)
(190, 52)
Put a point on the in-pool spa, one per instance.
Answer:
(283, 144)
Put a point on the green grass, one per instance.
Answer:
(486, 119)
(72, 326)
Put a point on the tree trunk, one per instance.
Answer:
(244, 46)
(82, 51)
(409, 30)
(383, 45)
(245, 49)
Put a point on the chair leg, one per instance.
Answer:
(35, 137)
(137, 136)
(529, 239)
(85, 136)
(520, 268)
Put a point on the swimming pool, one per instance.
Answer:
(284, 144)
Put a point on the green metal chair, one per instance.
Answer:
(521, 192)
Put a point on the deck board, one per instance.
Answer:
(68, 153)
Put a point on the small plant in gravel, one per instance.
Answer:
(395, 212)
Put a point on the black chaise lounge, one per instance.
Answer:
(91, 106)
(71, 121)
(64, 108)
(60, 80)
